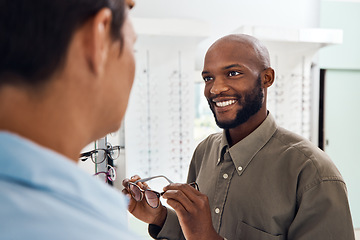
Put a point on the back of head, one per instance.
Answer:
(35, 35)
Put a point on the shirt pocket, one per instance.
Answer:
(245, 231)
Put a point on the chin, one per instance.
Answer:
(113, 122)
(114, 128)
(101, 133)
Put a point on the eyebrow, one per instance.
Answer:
(224, 68)
(231, 66)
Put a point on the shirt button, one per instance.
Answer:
(240, 168)
(225, 176)
(217, 210)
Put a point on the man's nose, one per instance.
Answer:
(219, 86)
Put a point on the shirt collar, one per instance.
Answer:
(24, 161)
(244, 151)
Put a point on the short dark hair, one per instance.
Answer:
(35, 35)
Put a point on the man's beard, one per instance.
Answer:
(253, 103)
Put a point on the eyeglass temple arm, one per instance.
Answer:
(84, 156)
(149, 178)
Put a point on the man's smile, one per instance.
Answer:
(225, 103)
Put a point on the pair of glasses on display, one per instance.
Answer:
(99, 155)
(110, 175)
(152, 197)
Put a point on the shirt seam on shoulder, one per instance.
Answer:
(316, 183)
(290, 145)
(309, 158)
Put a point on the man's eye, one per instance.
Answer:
(233, 73)
(207, 78)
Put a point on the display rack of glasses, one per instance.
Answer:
(159, 120)
(289, 99)
(181, 118)
(103, 157)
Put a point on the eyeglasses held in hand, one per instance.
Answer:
(99, 155)
(152, 197)
(110, 174)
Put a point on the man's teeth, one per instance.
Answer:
(225, 103)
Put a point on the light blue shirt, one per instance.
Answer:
(44, 195)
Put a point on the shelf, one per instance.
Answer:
(171, 27)
(285, 40)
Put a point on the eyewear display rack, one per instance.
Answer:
(114, 157)
(160, 117)
(103, 166)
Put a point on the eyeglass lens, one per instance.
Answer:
(135, 192)
(151, 197)
(111, 174)
(114, 152)
(98, 156)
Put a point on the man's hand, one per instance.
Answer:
(141, 210)
(193, 210)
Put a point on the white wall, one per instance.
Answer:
(226, 15)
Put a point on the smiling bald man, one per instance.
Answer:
(256, 179)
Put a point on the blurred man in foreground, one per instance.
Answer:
(62, 62)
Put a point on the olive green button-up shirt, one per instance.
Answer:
(271, 185)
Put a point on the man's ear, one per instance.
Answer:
(268, 77)
(97, 40)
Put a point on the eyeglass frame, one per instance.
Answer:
(142, 191)
(84, 156)
(108, 175)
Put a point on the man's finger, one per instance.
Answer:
(186, 198)
(178, 200)
(190, 191)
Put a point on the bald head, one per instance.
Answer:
(260, 54)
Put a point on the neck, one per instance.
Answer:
(42, 120)
(238, 133)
